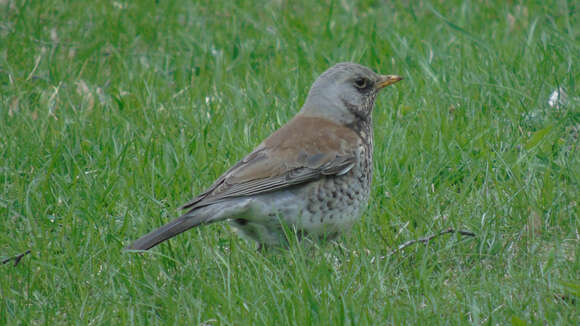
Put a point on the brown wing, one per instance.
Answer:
(305, 149)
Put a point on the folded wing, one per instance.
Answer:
(295, 154)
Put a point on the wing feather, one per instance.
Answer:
(287, 158)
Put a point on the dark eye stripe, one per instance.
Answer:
(362, 84)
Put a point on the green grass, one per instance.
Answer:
(114, 113)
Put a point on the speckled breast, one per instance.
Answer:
(336, 202)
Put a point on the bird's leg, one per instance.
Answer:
(262, 248)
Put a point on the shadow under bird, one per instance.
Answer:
(313, 174)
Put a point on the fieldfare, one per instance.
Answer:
(313, 174)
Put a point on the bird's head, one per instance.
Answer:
(345, 93)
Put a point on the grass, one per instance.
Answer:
(114, 113)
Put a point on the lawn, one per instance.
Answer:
(114, 113)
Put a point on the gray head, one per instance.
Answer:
(345, 93)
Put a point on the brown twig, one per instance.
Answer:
(426, 240)
(16, 258)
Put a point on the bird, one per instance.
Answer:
(312, 175)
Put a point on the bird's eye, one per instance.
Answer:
(360, 83)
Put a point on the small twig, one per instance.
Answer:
(16, 258)
(426, 240)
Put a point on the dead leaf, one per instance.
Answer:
(14, 105)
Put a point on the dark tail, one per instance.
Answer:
(165, 232)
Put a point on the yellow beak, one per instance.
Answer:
(386, 80)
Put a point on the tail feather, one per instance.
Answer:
(204, 215)
(165, 232)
